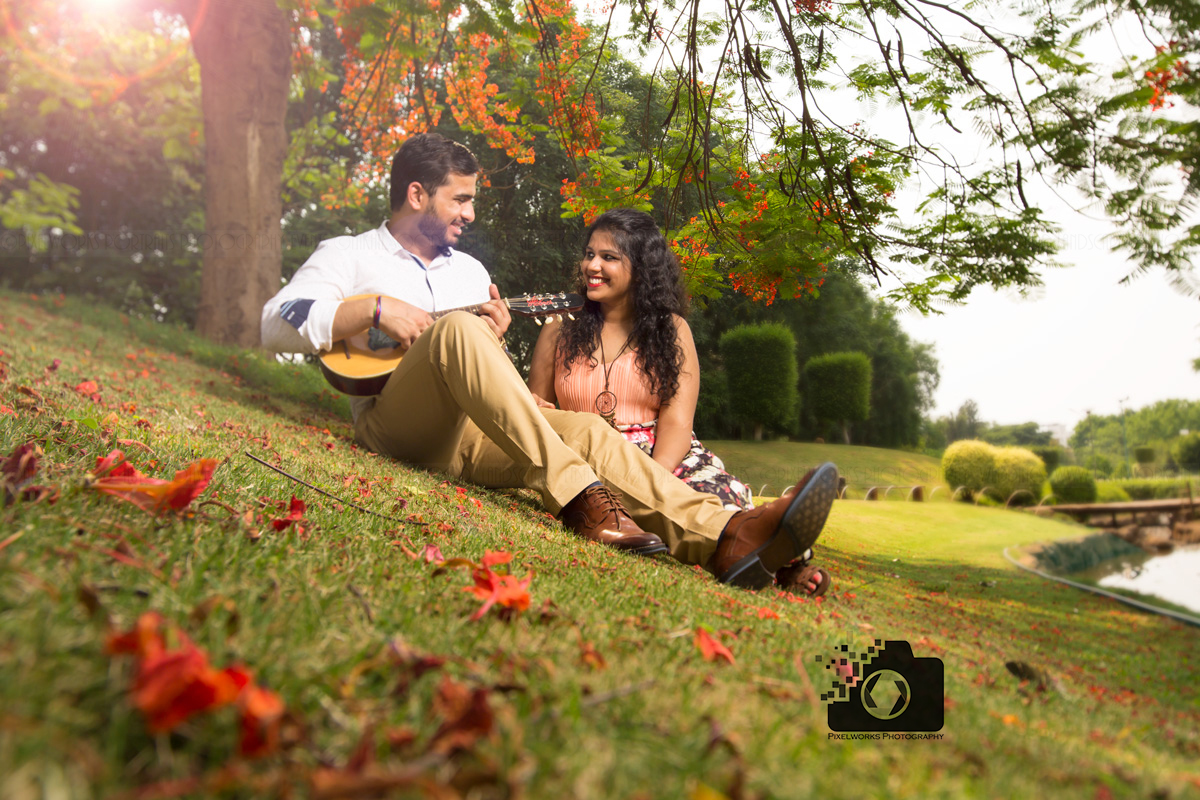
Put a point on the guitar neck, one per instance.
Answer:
(475, 309)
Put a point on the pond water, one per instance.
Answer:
(1174, 577)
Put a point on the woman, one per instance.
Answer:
(629, 356)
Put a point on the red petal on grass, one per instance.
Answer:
(6, 410)
(174, 685)
(710, 648)
(87, 388)
(143, 640)
(156, 495)
(767, 613)
(494, 558)
(295, 514)
(114, 465)
(504, 590)
(433, 554)
(262, 711)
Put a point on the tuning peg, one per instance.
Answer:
(538, 320)
(570, 315)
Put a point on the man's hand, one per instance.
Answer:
(495, 313)
(403, 321)
(540, 402)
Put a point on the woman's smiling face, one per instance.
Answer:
(607, 272)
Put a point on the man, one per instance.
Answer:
(456, 404)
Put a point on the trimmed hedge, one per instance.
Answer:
(1073, 485)
(761, 375)
(1050, 455)
(839, 388)
(968, 463)
(1158, 488)
(1187, 452)
(1110, 492)
(1018, 474)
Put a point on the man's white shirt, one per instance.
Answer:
(299, 318)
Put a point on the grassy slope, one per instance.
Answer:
(313, 614)
(780, 464)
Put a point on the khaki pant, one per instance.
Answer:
(456, 404)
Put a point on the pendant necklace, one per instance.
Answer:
(606, 401)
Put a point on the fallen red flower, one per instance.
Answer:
(156, 495)
(710, 648)
(501, 590)
(262, 711)
(173, 684)
(87, 388)
(295, 514)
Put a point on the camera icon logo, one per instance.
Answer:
(886, 690)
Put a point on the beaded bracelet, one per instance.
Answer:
(378, 310)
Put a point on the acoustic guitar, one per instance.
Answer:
(360, 365)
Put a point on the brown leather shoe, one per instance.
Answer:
(757, 543)
(598, 516)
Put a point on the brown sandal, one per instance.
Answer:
(796, 576)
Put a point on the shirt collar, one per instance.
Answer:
(393, 247)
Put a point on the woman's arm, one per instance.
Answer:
(545, 356)
(674, 436)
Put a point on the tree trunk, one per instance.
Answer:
(245, 50)
(758, 431)
(846, 431)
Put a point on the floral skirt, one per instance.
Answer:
(701, 468)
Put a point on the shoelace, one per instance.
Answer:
(610, 499)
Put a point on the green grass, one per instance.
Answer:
(325, 617)
(781, 464)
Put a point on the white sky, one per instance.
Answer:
(1083, 342)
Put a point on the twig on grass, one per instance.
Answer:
(335, 497)
(616, 694)
(366, 607)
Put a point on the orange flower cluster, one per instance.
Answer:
(1160, 81)
(472, 102)
(174, 684)
(690, 249)
(117, 477)
(504, 590)
(813, 6)
(758, 289)
(575, 117)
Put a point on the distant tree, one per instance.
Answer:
(760, 369)
(1025, 434)
(964, 423)
(839, 388)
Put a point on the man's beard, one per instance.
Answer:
(434, 230)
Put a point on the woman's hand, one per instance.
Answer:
(540, 402)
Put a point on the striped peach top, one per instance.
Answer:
(577, 391)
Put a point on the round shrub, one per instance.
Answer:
(1073, 485)
(1109, 492)
(1017, 472)
(1144, 454)
(1050, 455)
(968, 463)
(1187, 452)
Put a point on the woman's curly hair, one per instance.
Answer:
(657, 290)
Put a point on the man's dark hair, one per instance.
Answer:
(429, 159)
